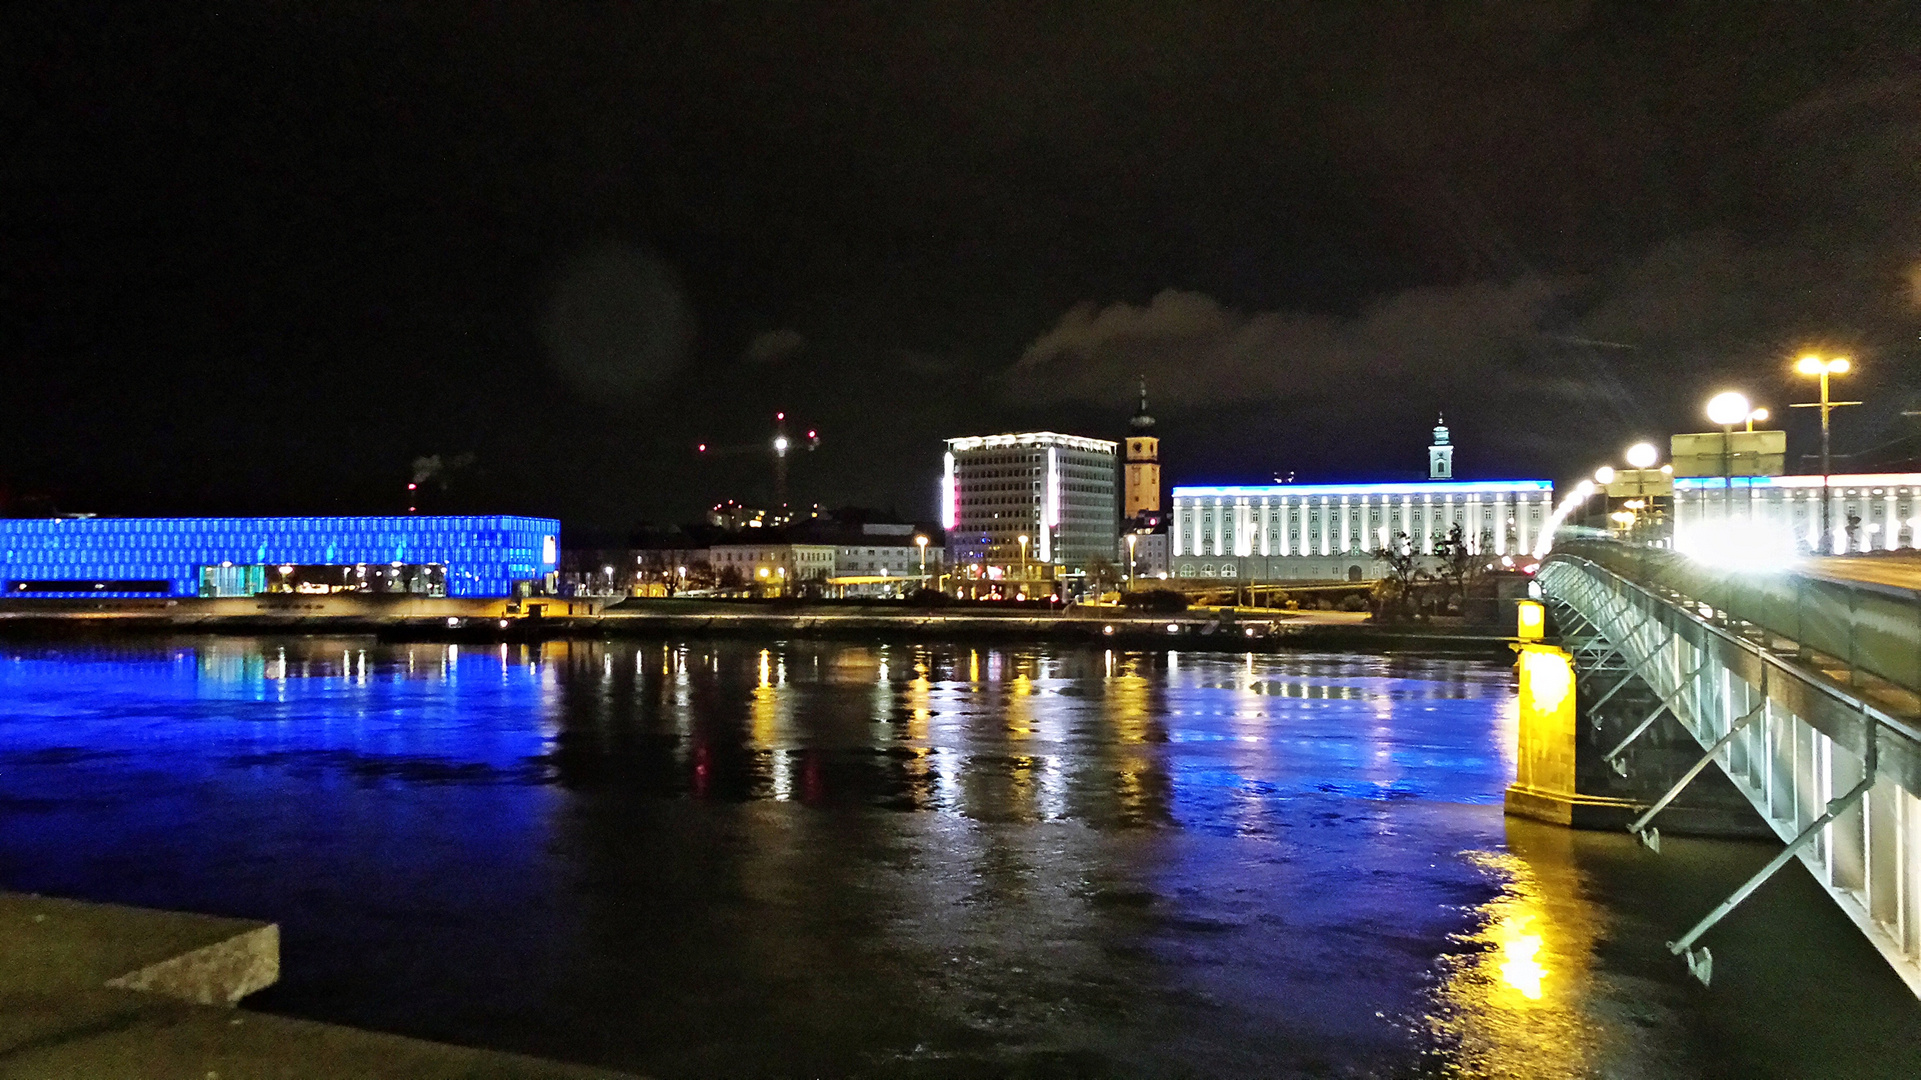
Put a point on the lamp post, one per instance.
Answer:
(1023, 543)
(1604, 476)
(1131, 538)
(1727, 409)
(1815, 365)
(921, 543)
(1641, 457)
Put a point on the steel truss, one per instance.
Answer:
(1834, 775)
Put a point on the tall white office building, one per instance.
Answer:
(1054, 491)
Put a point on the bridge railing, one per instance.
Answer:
(1873, 628)
(1833, 768)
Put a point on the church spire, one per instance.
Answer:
(1142, 422)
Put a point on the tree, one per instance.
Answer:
(1399, 590)
(1102, 574)
(1460, 561)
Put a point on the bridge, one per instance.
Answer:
(1730, 701)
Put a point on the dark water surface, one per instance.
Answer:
(803, 859)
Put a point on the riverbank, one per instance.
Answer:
(460, 622)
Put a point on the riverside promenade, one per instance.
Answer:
(544, 618)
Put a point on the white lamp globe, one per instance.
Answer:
(1728, 408)
(1604, 475)
(1642, 455)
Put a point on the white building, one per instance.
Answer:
(1782, 514)
(1054, 491)
(1279, 532)
(886, 551)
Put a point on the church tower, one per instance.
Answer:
(1141, 487)
(1440, 456)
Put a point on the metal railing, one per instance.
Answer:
(1873, 628)
(1832, 771)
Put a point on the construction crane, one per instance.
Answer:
(781, 444)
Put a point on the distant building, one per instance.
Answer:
(1147, 555)
(1868, 512)
(1280, 532)
(886, 551)
(1037, 501)
(772, 569)
(733, 516)
(222, 557)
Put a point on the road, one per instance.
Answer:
(1898, 569)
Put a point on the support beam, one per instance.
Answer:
(1612, 690)
(1652, 837)
(1703, 967)
(1612, 756)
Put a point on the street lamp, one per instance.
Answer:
(1641, 457)
(1727, 409)
(921, 543)
(1131, 538)
(1814, 365)
(1023, 543)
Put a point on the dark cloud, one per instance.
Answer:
(771, 346)
(618, 322)
(1197, 352)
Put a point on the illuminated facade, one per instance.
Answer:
(1057, 491)
(1869, 512)
(1278, 532)
(182, 557)
(1331, 531)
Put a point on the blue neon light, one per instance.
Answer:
(483, 556)
(1416, 487)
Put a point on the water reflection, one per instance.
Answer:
(795, 858)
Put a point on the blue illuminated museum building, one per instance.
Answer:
(214, 557)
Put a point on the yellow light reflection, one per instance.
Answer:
(1520, 969)
(1513, 999)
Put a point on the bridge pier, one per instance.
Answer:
(1600, 752)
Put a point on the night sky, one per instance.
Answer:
(261, 258)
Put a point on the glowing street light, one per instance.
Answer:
(1023, 543)
(1604, 475)
(1131, 538)
(1642, 455)
(1728, 409)
(1816, 366)
(921, 543)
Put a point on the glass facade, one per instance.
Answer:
(147, 557)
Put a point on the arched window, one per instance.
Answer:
(1207, 570)
(1353, 573)
(1229, 570)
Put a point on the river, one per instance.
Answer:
(791, 858)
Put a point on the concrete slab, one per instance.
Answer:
(101, 990)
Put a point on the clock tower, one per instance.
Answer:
(1141, 487)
